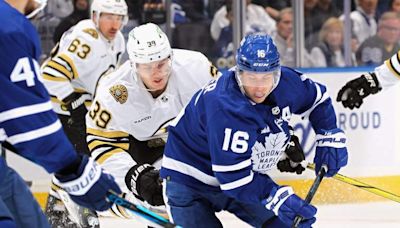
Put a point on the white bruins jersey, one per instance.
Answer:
(82, 58)
(124, 107)
(388, 73)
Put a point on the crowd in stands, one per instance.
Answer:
(206, 26)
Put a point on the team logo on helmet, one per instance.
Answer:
(120, 93)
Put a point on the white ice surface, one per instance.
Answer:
(366, 215)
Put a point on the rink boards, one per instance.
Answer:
(373, 145)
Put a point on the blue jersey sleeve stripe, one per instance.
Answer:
(320, 98)
(189, 170)
(238, 183)
(229, 168)
(34, 134)
(25, 111)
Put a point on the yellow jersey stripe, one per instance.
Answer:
(54, 78)
(60, 68)
(390, 64)
(95, 143)
(103, 157)
(71, 64)
(107, 134)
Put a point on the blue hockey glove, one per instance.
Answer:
(331, 150)
(286, 205)
(7, 223)
(87, 184)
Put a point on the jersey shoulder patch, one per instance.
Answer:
(91, 31)
(119, 92)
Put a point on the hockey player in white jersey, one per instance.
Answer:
(85, 53)
(222, 148)
(384, 76)
(134, 105)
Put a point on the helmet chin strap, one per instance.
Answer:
(41, 6)
(239, 81)
(237, 77)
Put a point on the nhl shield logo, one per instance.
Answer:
(120, 93)
(276, 110)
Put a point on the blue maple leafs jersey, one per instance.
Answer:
(27, 120)
(222, 141)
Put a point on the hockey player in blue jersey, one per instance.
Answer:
(31, 128)
(223, 145)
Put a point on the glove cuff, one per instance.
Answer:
(334, 138)
(73, 101)
(133, 175)
(372, 82)
(277, 197)
(79, 182)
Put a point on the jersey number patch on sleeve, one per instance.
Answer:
(24, 72)
(100, 116)
(237, 143)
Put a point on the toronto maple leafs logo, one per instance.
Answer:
(267, 151)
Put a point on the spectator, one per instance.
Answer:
(310, 12)
(329, 52)
(195, 10)
(221, 30)
(273, 7)
(376, 49)
(310, 29)
(283, 39)
(363, 20)
(81, 11)
(394, 5)
(326, 10)
(60, 8)
(257, 19)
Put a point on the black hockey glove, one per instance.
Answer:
(353, 93)
(144, 181)
(75, 104)
(293, 156)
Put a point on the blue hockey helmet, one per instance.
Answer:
(258, 62)
(257, 53)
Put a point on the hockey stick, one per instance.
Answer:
(141, 211)
(364, 186)
(76, 212)
(311, 193)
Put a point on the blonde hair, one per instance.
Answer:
(332, 22)
(287, 10)
(388, 16)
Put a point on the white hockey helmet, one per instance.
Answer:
(41, 5)
(148, 43)
(117, 7)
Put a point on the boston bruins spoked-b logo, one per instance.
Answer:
(120, 93)
(267, 151)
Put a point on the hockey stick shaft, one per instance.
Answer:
(138, 210)
(364, 186)
(311, 193)
(141, 211)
